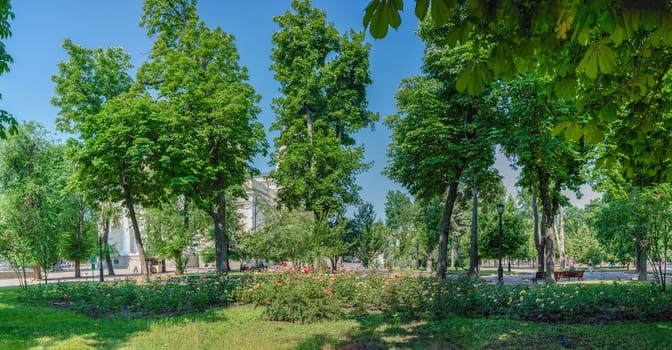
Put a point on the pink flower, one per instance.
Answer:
(284, 264)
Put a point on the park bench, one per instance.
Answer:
(569, 274)
(538, 276)
(559, 274)
(245, 268)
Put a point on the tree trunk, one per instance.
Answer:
(218, 214)
(538, 236)
(78, 268)
(547, 209)
(640, 251)
(136, 227)
(473, 252)
(106, 249)
(453, 253)
(429, 261)
(445, 225)
(37, 272)
(561, 239)
(334, 263)
(80, 233)
(104, 231)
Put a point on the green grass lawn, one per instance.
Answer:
(241, 327)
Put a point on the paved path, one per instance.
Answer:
(68, 275)
(526, 276)
(522, 276)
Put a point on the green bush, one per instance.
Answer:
(300, 295)
(128, 298)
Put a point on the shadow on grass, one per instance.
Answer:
(382, 331)
(26, 326)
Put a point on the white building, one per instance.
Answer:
(258, 189)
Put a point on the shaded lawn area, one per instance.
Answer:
(241, 327)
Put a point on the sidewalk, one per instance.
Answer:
(69, 275)
(526, 276)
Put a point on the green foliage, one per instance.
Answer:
(633, 222)
(172, 230)
(32, 177)
(207, 109)
(613, 56)
(300, 295)
(440, 137)
(323, 78)
(514, 232)
(581, 238)
(117, 128)
(128, 299)
(427, 221)
(402, 231)
(367, 234)
(6, 14)
(283, 237)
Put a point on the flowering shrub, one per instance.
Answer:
(129, 298)
(299, 294)
(548, 303)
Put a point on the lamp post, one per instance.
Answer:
(100, 256)
(500, 270)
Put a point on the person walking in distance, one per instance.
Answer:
(590, 265)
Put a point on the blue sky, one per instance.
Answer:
(41, 26)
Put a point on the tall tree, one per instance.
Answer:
(108, 214)
(31, 175)
(427, 221)
(399, 219)
(208, 110)
(548, 163)
(323, 78)
(369, 234)
(439, 135)
(486, 185)
(117, 128)
(77, 243)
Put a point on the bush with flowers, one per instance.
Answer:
(300, 294)
(128, 298)
(429, 297)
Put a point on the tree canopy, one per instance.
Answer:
(208, 110)
(614, 55)
(323, 78)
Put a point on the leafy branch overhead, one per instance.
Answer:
(611, 58)
(7, 122)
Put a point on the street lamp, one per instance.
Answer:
(500, 270)
(100, 256)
